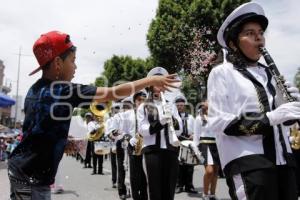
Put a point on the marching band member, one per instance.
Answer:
(253, 146)
(122, 132)
(92, 127)
(109, 128)
(88, 158)
(160, 160)
(137, 176)
(207, 145)
(185, 177)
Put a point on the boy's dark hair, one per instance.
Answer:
(63, 56)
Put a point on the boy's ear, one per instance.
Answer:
(57, 63)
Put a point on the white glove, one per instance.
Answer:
(133, 141)
(166, 118)
(119, 137)
(167, 109)
(285, 112)
(294, 92)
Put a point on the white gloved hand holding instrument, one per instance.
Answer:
(285, 112)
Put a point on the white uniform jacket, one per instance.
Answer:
(189, 125)
(235, 115)
(201, 130)
(150, 130)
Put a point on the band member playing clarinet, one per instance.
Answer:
(159, 124)
(254, 149)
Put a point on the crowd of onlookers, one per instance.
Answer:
(9, 140)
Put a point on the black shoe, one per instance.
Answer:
(114, 185)
(93, 173)
(89, 166)
(124, 196)
(101, 173)
(191, 190)
(179, 190)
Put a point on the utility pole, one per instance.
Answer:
(18, 80)
(18, 77)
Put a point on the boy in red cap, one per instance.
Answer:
(48, 109)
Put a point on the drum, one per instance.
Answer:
(189, 154)
(102, 148)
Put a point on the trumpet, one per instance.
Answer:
(172, 135)
(139, 145)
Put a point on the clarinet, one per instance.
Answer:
(279, 79)
(281, 90)
(172, 135)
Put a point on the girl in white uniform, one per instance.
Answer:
(253, 146)
(160, 160)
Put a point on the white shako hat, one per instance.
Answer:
(244, 13)
(157, 71)
(180, 98)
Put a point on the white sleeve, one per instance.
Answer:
(142, 119)
(219, 114)
(91, 126)
(108, 126)
(127, 122)
(190, 124)
(197, 130)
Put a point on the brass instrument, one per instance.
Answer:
(139, 145)
(99, 111)
(295, 133)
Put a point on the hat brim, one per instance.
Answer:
(35, 71)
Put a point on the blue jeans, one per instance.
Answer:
(20, 189)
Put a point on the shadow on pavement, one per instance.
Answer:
(67, 192)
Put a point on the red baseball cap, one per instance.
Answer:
(49, 46)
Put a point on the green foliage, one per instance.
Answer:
(123, 68)
(183, 37)
(172, 32)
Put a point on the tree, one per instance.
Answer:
(183, 35)
(123, 68)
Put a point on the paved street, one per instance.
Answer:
(80, 185)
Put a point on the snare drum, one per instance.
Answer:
(186, 154)
(102, 148)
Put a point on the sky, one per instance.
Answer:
(102, 28)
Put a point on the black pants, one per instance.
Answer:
(137, 178)
(277, 184)
(121, 169)
(297, 158)
(113, 162)
(88, 156)
(185, 176)
(20, 189)
(161, 168)
(97, 160)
